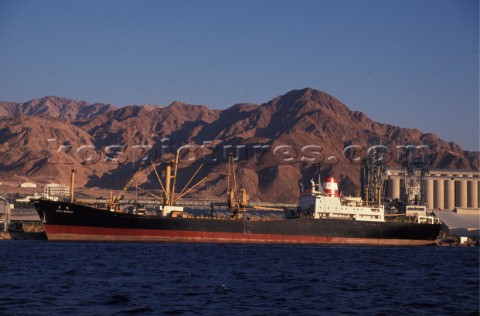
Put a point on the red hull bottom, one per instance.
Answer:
(81, 233)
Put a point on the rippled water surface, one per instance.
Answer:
(53, 278)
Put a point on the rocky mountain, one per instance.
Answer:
(55, 107)
(277, 143)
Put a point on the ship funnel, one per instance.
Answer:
(330, 187)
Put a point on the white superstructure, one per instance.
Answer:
(326, 203)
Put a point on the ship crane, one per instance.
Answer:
(168, 187)
(240, 205)
(115, 199)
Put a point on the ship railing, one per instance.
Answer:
(185, 202)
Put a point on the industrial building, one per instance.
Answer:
(443, 189)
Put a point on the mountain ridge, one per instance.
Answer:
(101, 140)
(52, 106)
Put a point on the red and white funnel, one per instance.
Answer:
(330, 187)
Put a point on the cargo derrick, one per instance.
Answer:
(114, 200)
(170, 198)
(237, 207)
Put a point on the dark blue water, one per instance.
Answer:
(53, 278)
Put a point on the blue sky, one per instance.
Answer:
(411, 63)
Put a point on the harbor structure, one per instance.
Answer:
(444, 189)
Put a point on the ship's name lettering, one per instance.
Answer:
(64, 211)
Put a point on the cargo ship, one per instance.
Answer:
(323, 216)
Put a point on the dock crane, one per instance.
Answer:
(372, 173)
(415, 168)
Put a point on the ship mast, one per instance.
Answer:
(168, 187)
(231, 183)
(171, 170)
(72, 185)
(168, 195)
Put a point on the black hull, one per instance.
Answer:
(67, 221)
